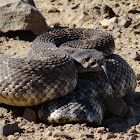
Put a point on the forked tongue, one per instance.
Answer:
(106, 73)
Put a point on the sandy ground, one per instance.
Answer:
(84, 14)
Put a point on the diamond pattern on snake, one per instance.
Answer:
(69, 74)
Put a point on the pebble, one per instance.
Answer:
(136, 56)
(48, 133)
(118, 34)
(132, 130)
(53, 10)
(108, 11)
(137, 31)
(125, 22)
(108, 136)
(9, 129)
(132, 9)
(138, 76)
(29, 115)
(107, 22)
(100, 130)
(3, 111)
(75, 6)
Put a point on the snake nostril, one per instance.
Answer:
(87, 58)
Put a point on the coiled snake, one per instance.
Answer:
(66, 62)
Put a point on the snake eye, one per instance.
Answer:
(93, 63)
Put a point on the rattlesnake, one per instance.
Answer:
(50, 72)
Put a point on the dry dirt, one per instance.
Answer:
(125, 28)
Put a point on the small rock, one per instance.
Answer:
(29, 115)
(31, 2)
(118, 34)
(107, 22)
(117, 5)
(116, 106)
(92, 9)
(132, 9)
(48, 133)
(108, 136)
(126, 22)
(72, 25)
(3, 111)
(2, 137)
(132, 131)
(100, 130)
(75, 6)
(135, 56)
(53, 10)
(108, 11)
(9, 129)
(26, 15)
(138, 76)
(137, 32)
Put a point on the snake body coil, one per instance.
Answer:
(50, 72)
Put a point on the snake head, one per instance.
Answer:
(88, 60)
